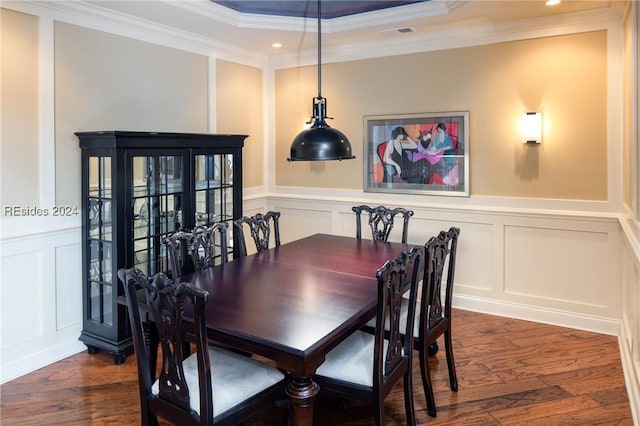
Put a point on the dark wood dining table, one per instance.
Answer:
(294, 303)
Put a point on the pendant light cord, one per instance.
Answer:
(319, 54)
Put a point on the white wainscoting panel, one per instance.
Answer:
(477, 273)
(560, 268)
(303, 220)
(68, 286)
(22, 294)
(41, 298)
(630, 322)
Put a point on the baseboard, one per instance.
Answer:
(37, 360)
(607, 326)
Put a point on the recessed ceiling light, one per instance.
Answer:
(552, 2)
(276, 45)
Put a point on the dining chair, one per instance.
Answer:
(205, 245)
(434, 316)
(381, 221)
(365, 366)
(212, 386)
(260, 227)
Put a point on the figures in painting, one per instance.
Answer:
(429, 159)
(391, 153)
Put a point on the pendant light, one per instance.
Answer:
(320, 142)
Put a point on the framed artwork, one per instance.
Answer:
(417, 153)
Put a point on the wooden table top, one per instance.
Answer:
(297, 300)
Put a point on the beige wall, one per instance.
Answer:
(239, 109)
(563, 76)
(636, 66)
(19, 119)
(627, 111)
(109, 82)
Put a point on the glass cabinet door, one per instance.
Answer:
(100, 237)
(214, 192)
(158, 194)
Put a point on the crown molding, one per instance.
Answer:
(623, 8)
(90, 15)
(392, 15)
(591, 20)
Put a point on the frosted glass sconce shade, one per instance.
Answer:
(532, 127)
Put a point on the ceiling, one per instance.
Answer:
(252, 26)
(309, 9)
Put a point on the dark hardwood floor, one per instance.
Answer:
(510, 372)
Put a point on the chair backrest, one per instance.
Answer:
(260, 227)
(165, 300)
(381, 221)
(176, 246)
(208, 244)
(205, 245)
(392, 362)
(440, 255)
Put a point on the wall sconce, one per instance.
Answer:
(532, 127)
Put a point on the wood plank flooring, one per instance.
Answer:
(510, 372)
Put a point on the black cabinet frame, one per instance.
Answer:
(136, 188)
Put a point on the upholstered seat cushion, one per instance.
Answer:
(235, 378)
(352, 360)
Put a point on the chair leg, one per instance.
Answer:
(408, 399)
(433, 348)
(426, 380)
(453, 378)
(378, 410)
(146, 418)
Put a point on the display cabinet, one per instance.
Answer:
(138, 187)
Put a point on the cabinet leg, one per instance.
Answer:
(119, 359)
(92, 350)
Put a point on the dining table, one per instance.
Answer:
(294, 303)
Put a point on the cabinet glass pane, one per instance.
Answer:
(107, 313)
(214, 188)
(100, 177)
(157, 175)
(100, 258)
(157, 208)
(106, 271)
(94, 302)
(99, 202)
(100, 296)
(94, 260)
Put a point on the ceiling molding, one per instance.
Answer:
(94, 17)
(386, 16)
(623, 8)
(90, 15)
(591, 20)
(392, 15)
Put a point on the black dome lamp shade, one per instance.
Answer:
(320, 142)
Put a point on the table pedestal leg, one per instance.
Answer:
(302, 392)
